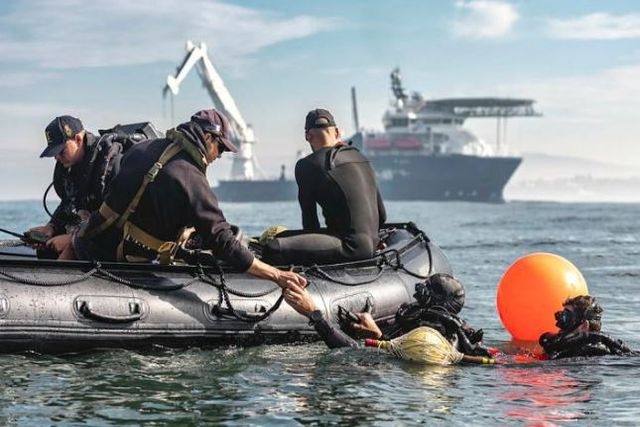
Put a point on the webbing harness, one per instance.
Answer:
(166, 250)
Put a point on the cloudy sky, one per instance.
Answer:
(106, 62)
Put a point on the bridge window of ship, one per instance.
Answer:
(400, 122)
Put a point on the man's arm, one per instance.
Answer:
(306, 199)
(382, 212)
(284, 279)
(300, 300)
(217, 235)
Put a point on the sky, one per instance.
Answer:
(106, 62)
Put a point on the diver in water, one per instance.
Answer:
(439, 299)
(580, 332)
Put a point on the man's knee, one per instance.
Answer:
(271, 251)
(360, 246)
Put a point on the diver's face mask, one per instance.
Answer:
(571, 317)
(566, 319)
(423, 294)
(428, 298)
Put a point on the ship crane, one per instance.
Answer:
(244, 164)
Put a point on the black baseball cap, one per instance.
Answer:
(212, 121)
(58, 132)
(318, 119)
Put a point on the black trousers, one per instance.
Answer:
(305, 248)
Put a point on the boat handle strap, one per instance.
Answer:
(84, 308)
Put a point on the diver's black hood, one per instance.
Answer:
(441, 290)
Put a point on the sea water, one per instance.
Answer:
(310, 384)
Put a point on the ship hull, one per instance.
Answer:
(437, 178)
(442, 178)
(279, 190)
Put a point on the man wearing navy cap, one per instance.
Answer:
(85, 165)
(341, 180)
(162, 190)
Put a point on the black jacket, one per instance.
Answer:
(83, 186)
(180, 196)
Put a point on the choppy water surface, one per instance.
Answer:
(309, 384)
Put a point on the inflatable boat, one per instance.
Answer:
(51, 306)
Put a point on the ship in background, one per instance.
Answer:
(424, 153)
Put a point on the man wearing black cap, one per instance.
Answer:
(162, 189)
(341, 180)
(85, 165)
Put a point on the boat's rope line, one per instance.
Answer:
(319, 272)
(394, 262)
(107, 274)
(229, 310)
(10, 244)
(37, 282)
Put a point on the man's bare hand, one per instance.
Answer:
(67, 254)
(289, 279)
(300, 300)
(60, 243)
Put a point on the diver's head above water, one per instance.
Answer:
(441, 290)
(577, 311)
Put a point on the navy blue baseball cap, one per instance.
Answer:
(214, 122)
(58, 132)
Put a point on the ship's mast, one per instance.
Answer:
(397, 89)
(244, 164)
(354, 109)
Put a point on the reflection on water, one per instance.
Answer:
(543, 394)
(435, 381)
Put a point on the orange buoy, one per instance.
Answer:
(532, 289)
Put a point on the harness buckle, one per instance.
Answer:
(153, 172)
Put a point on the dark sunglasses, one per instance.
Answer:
(221, 146)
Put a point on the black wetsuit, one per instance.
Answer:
(454, 329)
(333, 336)
(341, 180)
(580, 344)
(83, 186)
(180, 196)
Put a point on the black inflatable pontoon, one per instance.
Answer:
(66, 306)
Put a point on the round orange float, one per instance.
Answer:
(532, 289)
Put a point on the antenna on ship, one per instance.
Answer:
(397, 89)
(354, 109)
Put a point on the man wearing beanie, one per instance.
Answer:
(162, 189)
